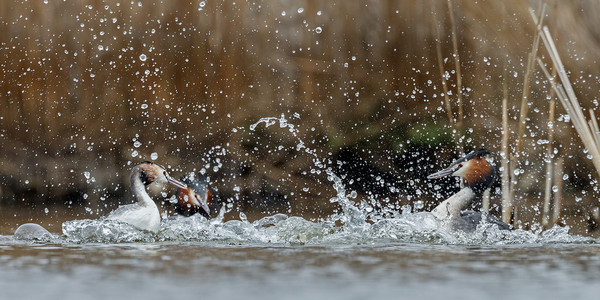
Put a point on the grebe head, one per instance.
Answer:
(149, 172)
(195, 198)
(474, 170)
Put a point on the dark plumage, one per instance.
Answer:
(469, 220)
(196, 198)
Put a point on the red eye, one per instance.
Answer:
(460, 166)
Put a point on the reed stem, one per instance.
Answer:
(516, 154)
(558, 195)
(459, 93)
(440, 59)
(506, 197)
(549, 162)
(567, 98)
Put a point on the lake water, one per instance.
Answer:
(279, 257)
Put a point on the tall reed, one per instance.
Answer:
(558, 195)
(459, 90)
(548, 158)
(515, 156)
(566, 94)
(440, 62)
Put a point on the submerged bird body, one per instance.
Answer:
(477, 176)
(144, 213)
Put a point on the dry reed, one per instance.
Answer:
(558, 195)
(440, 62)
(459, 89)
(568, 99)
(515, 156)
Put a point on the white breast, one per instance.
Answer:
(452, 206)
(142, 216)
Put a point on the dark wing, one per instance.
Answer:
(469, 220)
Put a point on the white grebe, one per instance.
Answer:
(477, 175)
(197, 197)
(144, 213)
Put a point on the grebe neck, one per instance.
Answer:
(452, 206)
(138, 189)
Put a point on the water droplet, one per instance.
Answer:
(154, 156)
(300, 10)
(137, 144)
(566, 176)
(318, 30)
(143, 57)
(144, 106)
(419, 205)
(134, 153)
(283, 13)
(86, 174)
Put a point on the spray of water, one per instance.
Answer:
(354, 223)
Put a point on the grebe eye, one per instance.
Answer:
(460, 166)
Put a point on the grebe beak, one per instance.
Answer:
(176, 182)
(442, 173)
(203, 204)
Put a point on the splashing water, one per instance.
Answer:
(283, 229)
(354, 224)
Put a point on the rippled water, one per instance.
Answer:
(276, 257)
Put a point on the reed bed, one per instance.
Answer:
(89, 88)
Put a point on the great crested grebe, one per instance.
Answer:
(477, 175)
(197, 197)
(144, 213)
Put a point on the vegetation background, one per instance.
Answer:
(89, 88)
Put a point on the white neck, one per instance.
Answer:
(452, 206)
(139, 191)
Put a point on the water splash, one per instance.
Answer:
(408, 227)
(350, 215)
(353, 224)
(103, 231)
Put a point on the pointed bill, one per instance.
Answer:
(203, 204)
(442, 173)
(176, 182)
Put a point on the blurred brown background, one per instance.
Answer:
(90, 88)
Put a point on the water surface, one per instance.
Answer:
(282, 257)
